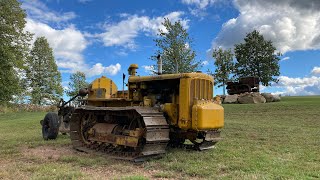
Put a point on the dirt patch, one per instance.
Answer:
(113, 170)
(48, 152)
(110, 172)
(10, 170)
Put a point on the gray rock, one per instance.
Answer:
(269, 97)
(276, 98)
(231, 99)
(251, 98)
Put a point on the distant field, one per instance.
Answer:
(265, 141)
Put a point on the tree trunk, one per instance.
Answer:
(224, 88)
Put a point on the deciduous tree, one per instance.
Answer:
(224, 67)
(174, 46)
(45, 79)
(257, 57)
(13, 48)
(77, 81)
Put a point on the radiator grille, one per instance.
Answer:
(201, 89)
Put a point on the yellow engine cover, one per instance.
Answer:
(207, 115)
(102, 88)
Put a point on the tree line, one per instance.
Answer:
(28, 73)
(254, 57)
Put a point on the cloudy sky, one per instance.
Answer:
(105, 37)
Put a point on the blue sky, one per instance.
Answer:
(105, 37)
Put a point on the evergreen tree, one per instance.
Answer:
(257, 57)
(13, 48)
(77, 82)
(224, 67)
(175, 49)
(45, 79)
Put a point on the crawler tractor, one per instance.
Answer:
(158, 110)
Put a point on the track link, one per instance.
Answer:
(156, 135)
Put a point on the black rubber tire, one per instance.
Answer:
(50, 126)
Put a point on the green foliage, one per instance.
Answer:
(45, 79)
(13, 48)
(256, 57)
(174, 46)
(9, 108)
(224, 66)
(77, 81)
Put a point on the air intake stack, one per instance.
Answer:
(159, 64)
(132, 69)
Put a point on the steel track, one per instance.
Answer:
(156, 136)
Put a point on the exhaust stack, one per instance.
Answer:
(159, 64)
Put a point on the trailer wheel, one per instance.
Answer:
(50, 126)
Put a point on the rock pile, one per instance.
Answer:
(231, 99)
(250, 98)
(268, 96)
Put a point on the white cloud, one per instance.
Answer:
(299, 86)
(68, 45)
(113, 69)
(198, 7)
(201, 4)
(285, 58)
(37, 10)
(205, 63)
(295, 86)
(290, 24)
(287, 81)
(98, 69)
(187, 45)
(279, 93)
(124, 32)
(262, 87)
(149, 69)
(65, 85)
(316, 71)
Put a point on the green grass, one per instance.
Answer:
(260, 141)
(23, 129)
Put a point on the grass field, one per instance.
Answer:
(265, 141)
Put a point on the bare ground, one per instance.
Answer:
(48, 152)
(114, 170)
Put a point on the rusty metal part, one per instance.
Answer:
(104, 128)
(213, 136)
(245, 84)
(103, 132)
(83, 92)
(149, 138)
(207, 141)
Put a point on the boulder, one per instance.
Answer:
(217, 99)
(231, 99)
(276, 98)
(251, 98)
(268, 96)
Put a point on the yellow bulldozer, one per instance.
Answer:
(155, 112)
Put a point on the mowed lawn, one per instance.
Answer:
(260, 141)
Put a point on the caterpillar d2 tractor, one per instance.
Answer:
(158, 111)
